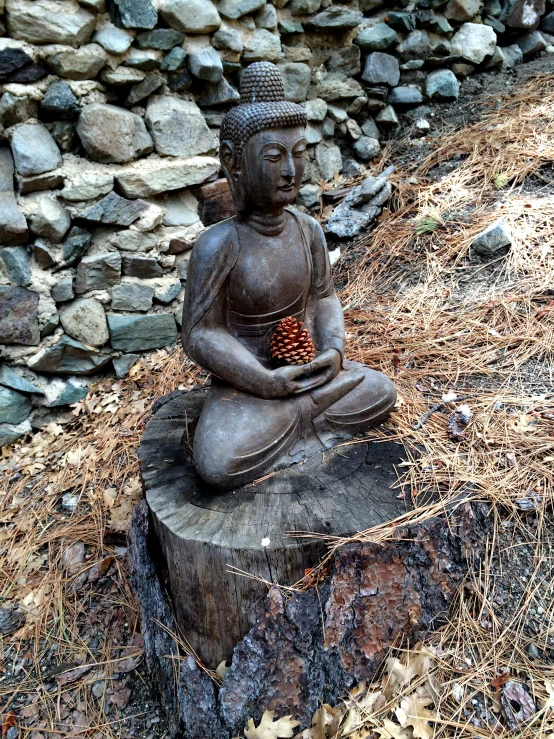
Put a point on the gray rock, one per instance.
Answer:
(167, 290)
(63, 291)
(10, 433)
(178, 127)
(123, 364)
(351, 168)
(316, 110)
(401, 21)
(13, 226)
(15, 109)
(462, 10)
(335, 87)
(441, 84)
(493, 240)
(59, 103)
(415, 46)
(369, 128)
(345, 60)
(85, 320)
(512, 55)
(524, 14)
(45, 254)
(50, 220)
(75, 245)
(78, 64)
(496, 25)
(12, 379)
(112, 134)
(113, 209)
(381, 69)
(346, 222)
(328, 128)
(181, 209)
(262, 45)
(173, 61)
(149, 84)
(313, 134)
(114, 40)
(15, 264)
(339, 115)
(267, 17)
(154, 176)
(68, 357)
(547, 23)
(434, 22)
(87, 185)
(180, 81)
(304, 7)
(14, 407)
(133, 13)
(206, 64)
(18, 316)
(141, 333)
(122, 76)
(135, 265)
(217, 93)
(296, 80)
(191, 16)
(335, 18)
(48, 22)
(234, 9)
(63, 134)
(162, 39)
(12, 59)
(34, 150)
(288, 26)
(308, 195)
(134, 241)
(532, 43)
(64, 393)
(405, 96)
(376, 38)
(228, 39)
(366, 149)
(98, 272)
(474, 42)
(39, 182)
(132, 296)
(496, 60)
(50, 325)
(328, 158)
(387, 117)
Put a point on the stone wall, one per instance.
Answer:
(109, 122)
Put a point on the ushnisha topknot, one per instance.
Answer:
(262, 105)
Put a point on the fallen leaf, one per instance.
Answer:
(325, 723)
(549, 685)
(9, 721)
(398, 675)
(413, 712)
(283, 728)
(458, 421)
(500, 680)
(65, 676)
(390, 730)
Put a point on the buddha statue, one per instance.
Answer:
(248, 273)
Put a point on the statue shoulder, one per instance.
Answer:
(216, 238)
(311, 228)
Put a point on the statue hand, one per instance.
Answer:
(282, 382)
(324, 368)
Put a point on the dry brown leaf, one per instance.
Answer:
(390, 730)
(283, 728)
(325, 723)
(413, 712)
(398, 675)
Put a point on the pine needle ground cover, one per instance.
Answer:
(450, 330)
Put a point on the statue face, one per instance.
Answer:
(272, 166)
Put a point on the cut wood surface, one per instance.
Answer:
(202, 533)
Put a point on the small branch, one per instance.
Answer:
(437, 407)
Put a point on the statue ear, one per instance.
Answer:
(231, 167)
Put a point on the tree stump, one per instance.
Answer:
(203, 533)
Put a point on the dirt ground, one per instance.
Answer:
(429, 313)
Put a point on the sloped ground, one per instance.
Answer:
(441, 323)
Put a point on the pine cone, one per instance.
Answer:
(291, 343)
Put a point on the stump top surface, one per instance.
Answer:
(337, 492)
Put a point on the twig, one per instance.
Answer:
(427, 415)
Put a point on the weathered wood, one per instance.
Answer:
(311, 647)
(215, 202)
(201, 533)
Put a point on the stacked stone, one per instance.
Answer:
(109, 118)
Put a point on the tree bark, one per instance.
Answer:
(201, 533)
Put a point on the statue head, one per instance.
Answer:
(263, 148)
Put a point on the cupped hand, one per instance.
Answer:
(294, 379)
